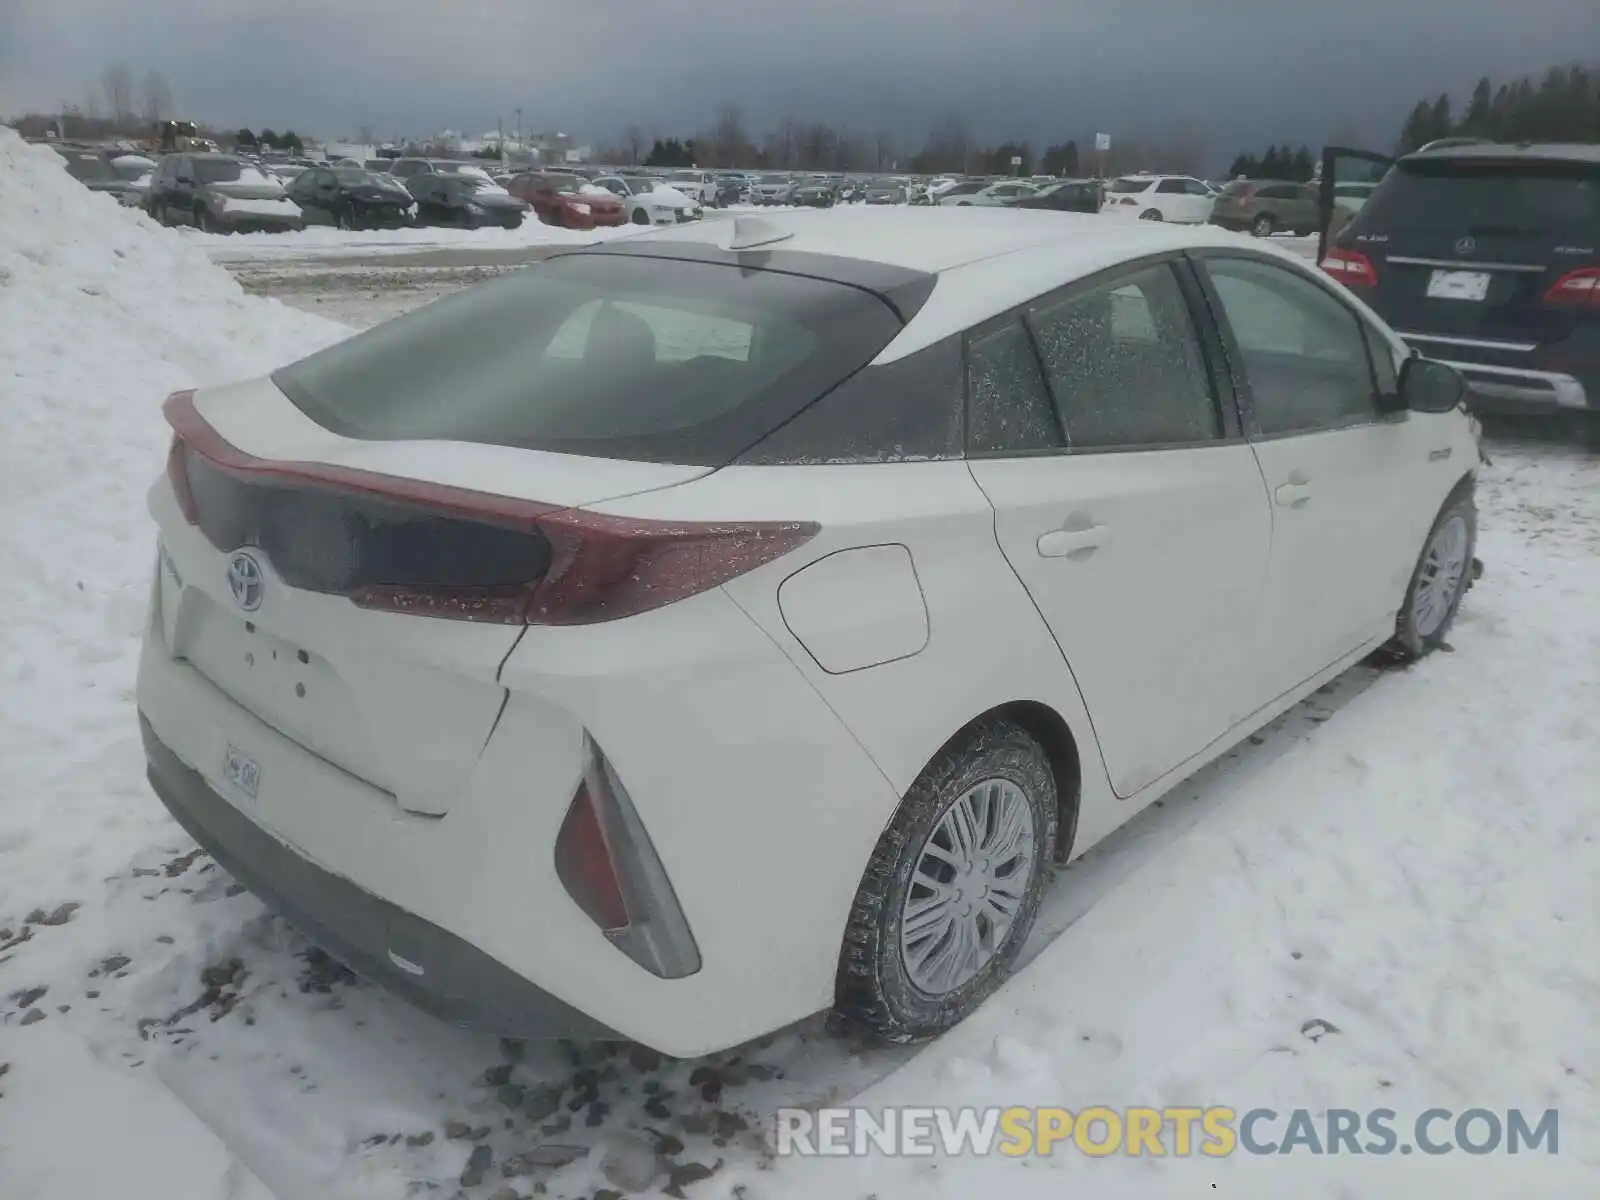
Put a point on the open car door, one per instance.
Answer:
(1344, 177)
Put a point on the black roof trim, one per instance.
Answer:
(903, 289)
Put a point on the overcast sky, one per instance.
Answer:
(1240, 72)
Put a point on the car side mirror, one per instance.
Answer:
(1429, 386)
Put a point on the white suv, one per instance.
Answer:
(702, 629)
(1176, 198)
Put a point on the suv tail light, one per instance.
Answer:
(1580, 287)
(1350, 267)
(408, 546)
(606, 862)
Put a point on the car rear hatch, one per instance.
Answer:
(351, 550)
(1477, 251)
(318, 632)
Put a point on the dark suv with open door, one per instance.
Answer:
(1486, 256)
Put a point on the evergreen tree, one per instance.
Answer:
(1301, 165)
(1417, 129)
(1478, 121)
(1440, 124)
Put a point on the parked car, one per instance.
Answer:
(567, 200)
(771, 189)
(960, 188)
(1267, 206)
(90, 168)
(699, 186)
(469, 634)
(994, 195)
(885, 191)
(352, 198)
(1486, 255)
(812, 193)
(1176, 198)
(649, 201)
(217, 193)
(1071, 195)
(465, 201)
(405, 168)
(732, 189)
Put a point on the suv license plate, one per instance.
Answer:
(1458, 285)
(239, 769)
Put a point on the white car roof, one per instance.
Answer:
(988, 260)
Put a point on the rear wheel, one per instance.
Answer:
(952, 888)
(1442, 576)
(1151, 214)
(1263, 226)
(640, 217)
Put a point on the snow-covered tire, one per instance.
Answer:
(1263, 226)
(875, 990)
(640, 217)
(1151, 214)
(1443, 573)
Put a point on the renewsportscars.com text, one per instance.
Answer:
(1214, 1132)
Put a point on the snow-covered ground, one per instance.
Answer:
(1409, 858)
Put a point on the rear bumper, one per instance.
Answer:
(428, 966)
(1506, 386)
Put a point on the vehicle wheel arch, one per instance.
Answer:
(1061, 747)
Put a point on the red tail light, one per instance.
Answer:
(1580, 288)
(1350, 267)
(608, 865)
(425, 549)
(585, 867)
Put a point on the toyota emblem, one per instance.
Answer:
(1466, 245)
(245, 581)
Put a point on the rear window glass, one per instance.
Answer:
(607, 355)
(1128, 185)
(1466, 196)
(222, 170)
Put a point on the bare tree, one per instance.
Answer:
(729, 141)
(634, 139)
(156, 97)
(117, 83)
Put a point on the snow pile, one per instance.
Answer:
(102, 314)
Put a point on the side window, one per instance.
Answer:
(1304, 352)
(1172, 187)
(1385, 370)
(1124, 364)
(1008, 405)
(1195, 188)
(1276, 191)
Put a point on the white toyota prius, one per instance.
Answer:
(700, 630)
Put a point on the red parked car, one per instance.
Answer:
(559, 200)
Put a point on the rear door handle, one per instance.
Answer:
(1073, 543)
(1293, 495)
